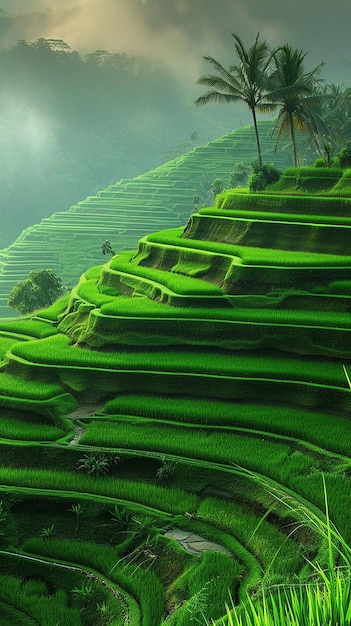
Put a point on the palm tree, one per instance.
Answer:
(336, 113)
(295, 91)
(245, 82)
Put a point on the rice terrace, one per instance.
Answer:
(175, 431)
(175, 414)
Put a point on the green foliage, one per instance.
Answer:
(151, 201)
(257, 182)
(140, 595)
(41, 289)
(3, 517)
(5, 344)
(78, 511)
(91, 292)
(33, 600)
(217, 186)
(328, 152)
(344, 156)
(327, 601)
(166, 471)
(243, 82)
(293, 91)
(240, 175)
(320, 162)
(106, 247)
(120, 517)
(207, 190)
(325, 598)
(328, 159)
(215, 447)
(84, 592)
(342, 287)
(98, 463)
(29, 328)
(48, 531)
(206, 586)
(264, 174)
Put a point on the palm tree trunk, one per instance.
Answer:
(257, 136)
(293, 138)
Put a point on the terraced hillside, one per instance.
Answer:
(167, 427)
(70, 242)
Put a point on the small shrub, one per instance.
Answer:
(320, 162)
(47, 531)
(41, 289)
(166, 471)
(263, 175)
(97, 463)
(85, 591)
(240, 175)
(257, 182)
(344, 156)
(217, 186)
(120, 517)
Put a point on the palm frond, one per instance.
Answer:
(215, 96)
(223, 73)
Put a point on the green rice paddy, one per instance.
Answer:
(175, 432)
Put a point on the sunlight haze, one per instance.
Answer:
(180, 32)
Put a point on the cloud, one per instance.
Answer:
(180, 32)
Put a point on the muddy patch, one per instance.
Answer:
(195, 543)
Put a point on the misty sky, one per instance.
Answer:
(181, 31)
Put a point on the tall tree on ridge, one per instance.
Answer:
(336, 113)
(244, 82)
(294, 91)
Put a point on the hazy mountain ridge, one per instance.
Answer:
(71, 125)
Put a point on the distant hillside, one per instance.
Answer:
(72, 125)
(69, 242)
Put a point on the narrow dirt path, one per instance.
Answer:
(84, 410)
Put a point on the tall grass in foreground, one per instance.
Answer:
(323, 601)
(207, 584)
